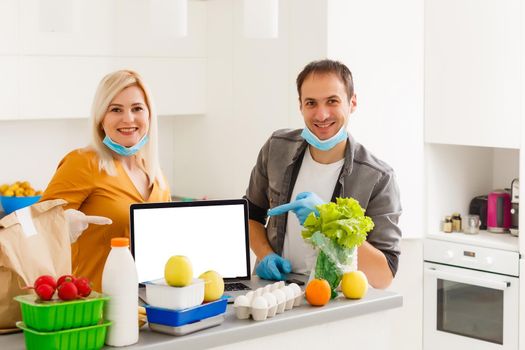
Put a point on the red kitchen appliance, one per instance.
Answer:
(515, 203)
(498, 211)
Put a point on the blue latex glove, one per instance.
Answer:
(304, 204)
(273, 267)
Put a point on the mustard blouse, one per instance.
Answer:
(79, 181)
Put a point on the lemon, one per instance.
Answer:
(213, 285)
(178, 271)
(354, 285)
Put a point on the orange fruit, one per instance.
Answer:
(318, 292)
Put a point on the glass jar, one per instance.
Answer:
(456, 222)
(472, 224)
(447, 225)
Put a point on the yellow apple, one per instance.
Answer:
(178, 271)
(213, 285)
(354, 285)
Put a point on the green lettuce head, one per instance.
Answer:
(343, 222)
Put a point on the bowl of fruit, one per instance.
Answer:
(18, 195)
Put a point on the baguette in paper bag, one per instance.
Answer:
(25, 255)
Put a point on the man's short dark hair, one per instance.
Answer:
(327, 66)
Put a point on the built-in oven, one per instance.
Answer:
(471, 297)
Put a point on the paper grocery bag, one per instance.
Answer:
(34, 241)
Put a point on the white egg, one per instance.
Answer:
(270, 298)
(279, 294)
(280, 284)
(241, 300)
(259, 303)
(267, 288)
(242, 307)
(272, 303)
(250, 296)
(288, 291)
(296, 289)
(281, 300)
(259, 309)
(290, 297)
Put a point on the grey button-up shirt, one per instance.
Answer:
(363, 177)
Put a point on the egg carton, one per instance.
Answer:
(268, 301)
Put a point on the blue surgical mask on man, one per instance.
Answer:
(324, 145)
(122, 150)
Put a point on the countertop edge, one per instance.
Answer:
(259, 329)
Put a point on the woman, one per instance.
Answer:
(119, 168)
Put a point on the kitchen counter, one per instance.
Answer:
(233, 330)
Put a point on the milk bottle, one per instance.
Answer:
(120, 283)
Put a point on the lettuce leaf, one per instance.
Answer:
(343, 222)
(326, 268)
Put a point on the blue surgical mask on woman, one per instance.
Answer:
(324, 145)
(122, 150)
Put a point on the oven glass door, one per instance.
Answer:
(469, 309)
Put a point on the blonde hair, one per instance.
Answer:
(148, 156)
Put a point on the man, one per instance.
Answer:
(315, 165)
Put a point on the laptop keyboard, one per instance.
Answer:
(235, 286)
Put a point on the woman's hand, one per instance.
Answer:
(78, 222)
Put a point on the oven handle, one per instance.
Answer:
(468, 280)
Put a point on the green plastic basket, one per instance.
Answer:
(85, 338)
(55, 315)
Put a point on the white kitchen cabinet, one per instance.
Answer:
(139, 34)
(63, 86)
(472, 79)
(53, 62)
(473, 98)
(9, 28)
(178, 85)
(108, 28)
(59, 87)
(82, 28)
(9, 86)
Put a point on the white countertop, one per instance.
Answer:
(503, 241)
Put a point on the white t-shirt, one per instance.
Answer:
(319, 179)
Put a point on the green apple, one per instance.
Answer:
(178, 271)
(213, 285)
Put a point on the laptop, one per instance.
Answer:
(213, 234)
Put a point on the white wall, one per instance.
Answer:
(251, 93)
(32, 149)
(308, 30)
(247, 94)
(381, 41)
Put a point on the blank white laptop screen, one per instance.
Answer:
(212, 234)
